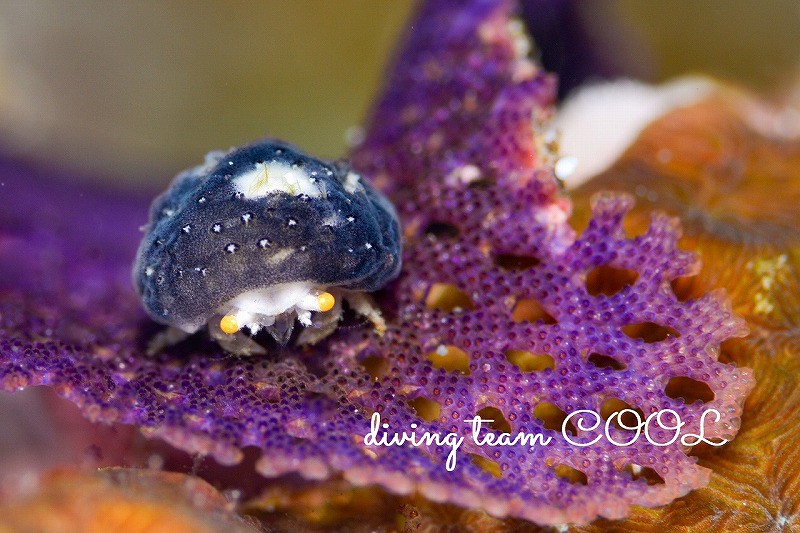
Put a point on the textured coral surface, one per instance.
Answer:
(744, 225)
(735, 182)
(500, 310)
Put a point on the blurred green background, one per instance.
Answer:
(134, 91)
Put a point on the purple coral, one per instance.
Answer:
(452, 141)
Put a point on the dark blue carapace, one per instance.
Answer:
(263, 235)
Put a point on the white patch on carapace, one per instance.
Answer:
(332, 220)
(280, 256)
(352, 183)
(273, 177)
(269, 301)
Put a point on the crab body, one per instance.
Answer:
(261, 237)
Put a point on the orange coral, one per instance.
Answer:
(119, 499)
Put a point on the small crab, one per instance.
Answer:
(261, 237)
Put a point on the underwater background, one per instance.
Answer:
(101, 104)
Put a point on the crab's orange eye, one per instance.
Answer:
(229, 324)
(326, 301)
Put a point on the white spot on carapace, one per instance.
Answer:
(201, 200)
(216, 228)
(149, 271)
(351, 219)
(187, 228)
(292, 222)
(274, 177)
(168, 212)
(247, 217)
(368, 246)
(280, 256)
(332, 221)
(352, 183)
(231, 248)
(264, 243)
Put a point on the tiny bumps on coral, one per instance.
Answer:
(262, 237)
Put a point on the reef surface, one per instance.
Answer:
(501, 310)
